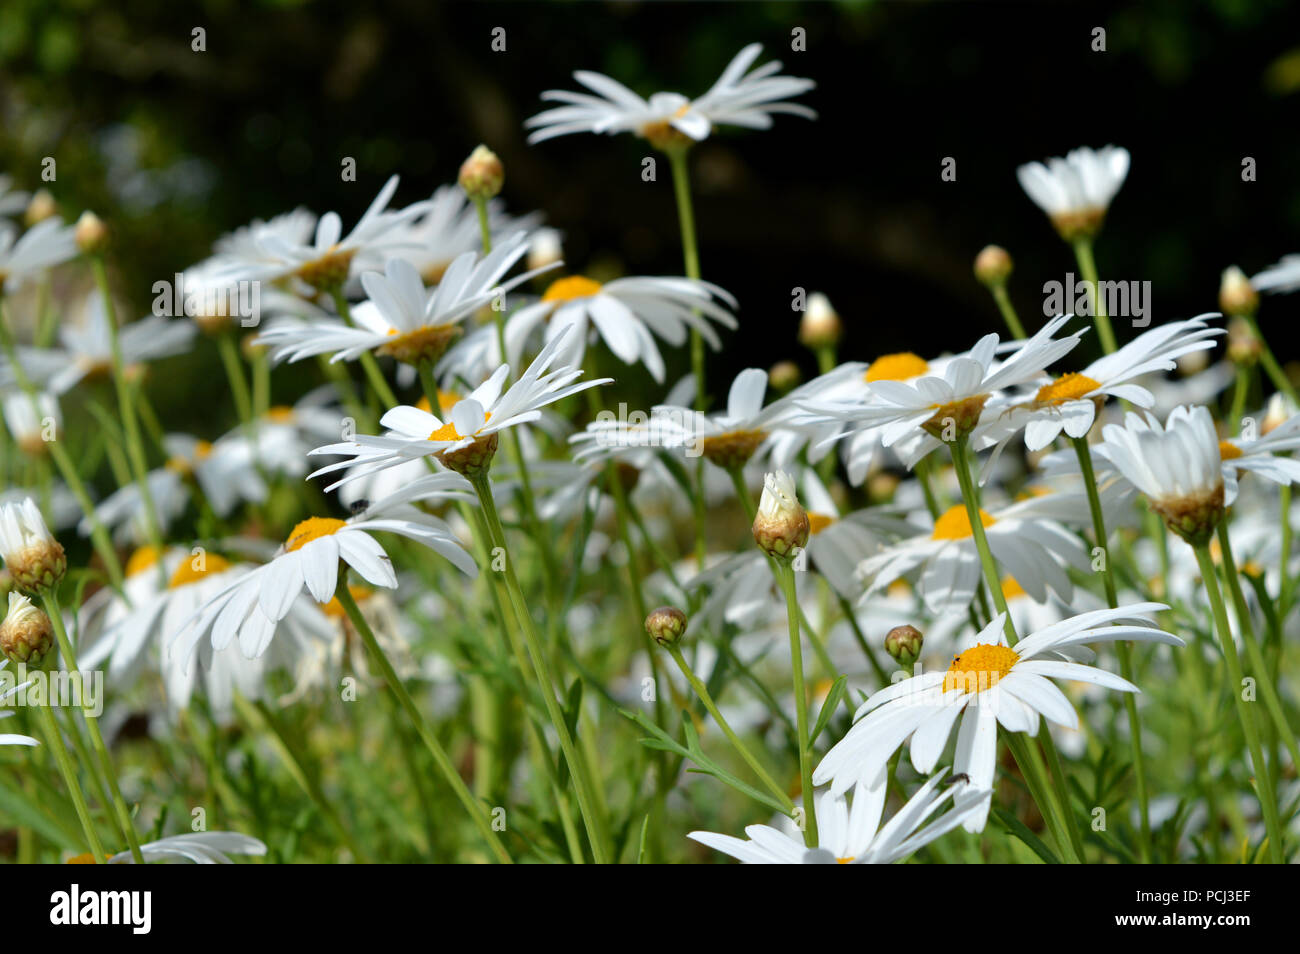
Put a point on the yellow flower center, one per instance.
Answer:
(568, 289)
(1068, 387)
(1228, 450)
(188, 573)
(954, 524)
(280, 414)
(446, 401)
(845, 861)
(979, 667)
(1011, 588)
(896, 367)
(142, 559)
(313, 528)
(83, 859)
(448, 431)
(817, 522)
(334, 609)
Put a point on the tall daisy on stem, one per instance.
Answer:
(1179, 468)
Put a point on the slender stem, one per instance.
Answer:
(1271, 367)
(1123, 647)
(800, 703)
(234, 367)
(677, 158)
(54, 742)
(440, 756)
(51, 602)
(126, 408)
(1088, 267)
(1247, 627)
(1008, 311)
(1263, 784)
(369, 365)
(546, 679)
(702, 691)
(970, 496)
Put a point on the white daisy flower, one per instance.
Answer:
(1027, 538)
(468, 435)
(12, 738)
(1261, 455)
(838, 543)
(1282, 277)
(735, 99)
(1177, 466)
(202, 848)
(45, 244)
(1076, 191)
(253, 606)
(627, 313)
(12, 201)
(986, 684)
(277, 250)
(851, 834)
(87, 348)
(33, 422)
(1070, 403)
(402, 318)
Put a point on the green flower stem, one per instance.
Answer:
(1034, 771)
(1247, 626)
(99, 793)
(1008, 311)
(126, 408)
(378, 383)
(702, 691)
(1271, 367)
(50, 600)
(1123, 647)
(54, 742)
(962, 463)
(578, 769)
(1263, 784)
(1088, 268)
(786, 574)
(1284, 581)
(234, 367)
(1239, 390)
(440, 757)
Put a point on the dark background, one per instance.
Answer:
(175, 147)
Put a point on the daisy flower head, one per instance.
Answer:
(627, 313)
(45, 244)
(33, 557)
(466, 440)
(1076, 191)
(740, 97)
(324, 261)
(988, 683)
(201, 848)
(253, 605)
(26, 633)
(33, 421)
(849, 830)
(1265, 455)
(401, 318)
(1177, 465)
(1069, 404)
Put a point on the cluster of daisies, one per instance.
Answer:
(982, 556)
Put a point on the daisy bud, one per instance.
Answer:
(784, 376)
(91, 233)
(26, 633)
(1237, 296)
(1243, 346)
(482, 175)
(1276, 413)
(472, 459)
(666, 625)
(904, 644)
(993, 266)
(41, 207)
(544, 249)
(34, 558)
(781, 526)
(820, 326)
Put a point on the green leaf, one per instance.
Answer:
(1018, 828)
(829, 706)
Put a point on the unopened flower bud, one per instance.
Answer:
(781, 525)
(41, 207)
(91, 234)
(482, 175)
(1237, 296)
(26, 634)
(666, 625)
(34, 558)
(904, 644)
(820, 326)
(1244, 346)
(544, 248)
(993, 265)
(784, 376)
